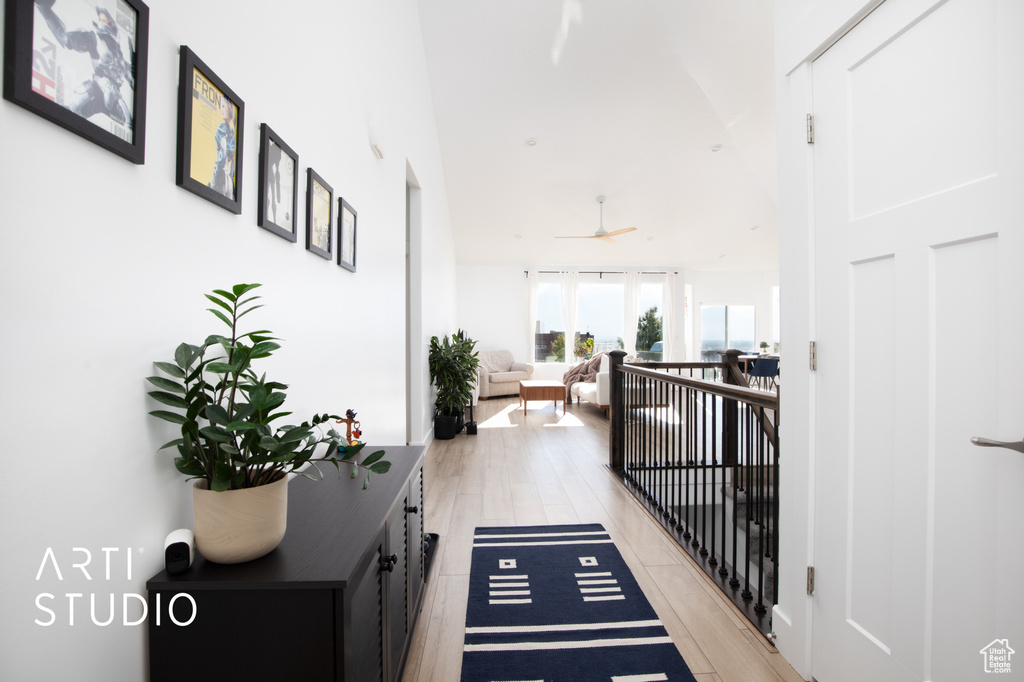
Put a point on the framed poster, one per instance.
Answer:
(346, 235)
(81, 64)
(211, 121)
(279, 181)
(319, 218)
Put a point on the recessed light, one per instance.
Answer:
(716, 147)
(531, 142)
(518, 236)
(722, 256)
(755, 227)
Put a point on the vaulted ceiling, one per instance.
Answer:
(626, 99)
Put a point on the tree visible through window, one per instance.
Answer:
(648, 333)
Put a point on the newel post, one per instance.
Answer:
(732, 374)
(616, 429)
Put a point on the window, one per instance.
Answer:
(650, 324)
(600, 307)
(600, 315)
(726, 326)
(549, 333)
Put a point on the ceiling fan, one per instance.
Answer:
(601, 233)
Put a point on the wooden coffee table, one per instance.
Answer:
(542, 390)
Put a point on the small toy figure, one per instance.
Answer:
(352, 431)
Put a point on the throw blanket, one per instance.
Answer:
(585, 371)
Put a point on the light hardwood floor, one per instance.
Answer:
(541, 467)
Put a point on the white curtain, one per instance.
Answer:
(532, 281)
(570, 296)
(631, 311)
(668, 317)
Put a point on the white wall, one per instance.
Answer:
(492, 308)
(104, 264)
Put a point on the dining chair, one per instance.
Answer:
(764, 372)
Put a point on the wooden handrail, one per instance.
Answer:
(734, 388)
(748, 395)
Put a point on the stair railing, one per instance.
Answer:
(702, 455)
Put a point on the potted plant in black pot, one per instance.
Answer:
(453, 370)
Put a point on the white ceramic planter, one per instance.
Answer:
(233, 526)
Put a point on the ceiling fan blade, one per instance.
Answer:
(618, 232)
(606, 238)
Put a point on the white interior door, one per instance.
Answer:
(919, 240)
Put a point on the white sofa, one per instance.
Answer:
(500, 374)
(596, 392)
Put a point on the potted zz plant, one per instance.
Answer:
(229, 442)
(453, 370)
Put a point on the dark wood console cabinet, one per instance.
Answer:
(337, 600)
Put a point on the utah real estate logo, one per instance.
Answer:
(997, 656)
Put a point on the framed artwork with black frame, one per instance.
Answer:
(211, 122)
(83, 66)
(319, 218)
(346, 235)
(279, 182)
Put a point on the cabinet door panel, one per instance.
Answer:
(415, 541)
(397, 592)
(361, 640)
(300, 622)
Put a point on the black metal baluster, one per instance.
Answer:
(710, 511)
(759, 607)
(666, 449)
(734, 581)
(688, 435)
(704, 477)
(628, 428)
(658, 447)
(676, 425)
(775, 509)
(747, 594)
(730, 450)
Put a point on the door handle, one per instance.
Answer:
(388, 563)
(1017, 445)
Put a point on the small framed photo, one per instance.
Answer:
(346, 235)
(81, 64)
(211, 121)
(279, 182)
(319, 214)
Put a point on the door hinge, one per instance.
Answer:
(810, 128)
(814, 355)
(810, 580)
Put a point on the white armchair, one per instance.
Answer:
(500, 374)
(596, 391)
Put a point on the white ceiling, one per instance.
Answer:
(628, 104)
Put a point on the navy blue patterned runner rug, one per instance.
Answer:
(558, 604)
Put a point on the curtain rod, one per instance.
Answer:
(599, 273)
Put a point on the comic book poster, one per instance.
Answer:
(214, 136)
(320, 218)
(83, 59)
